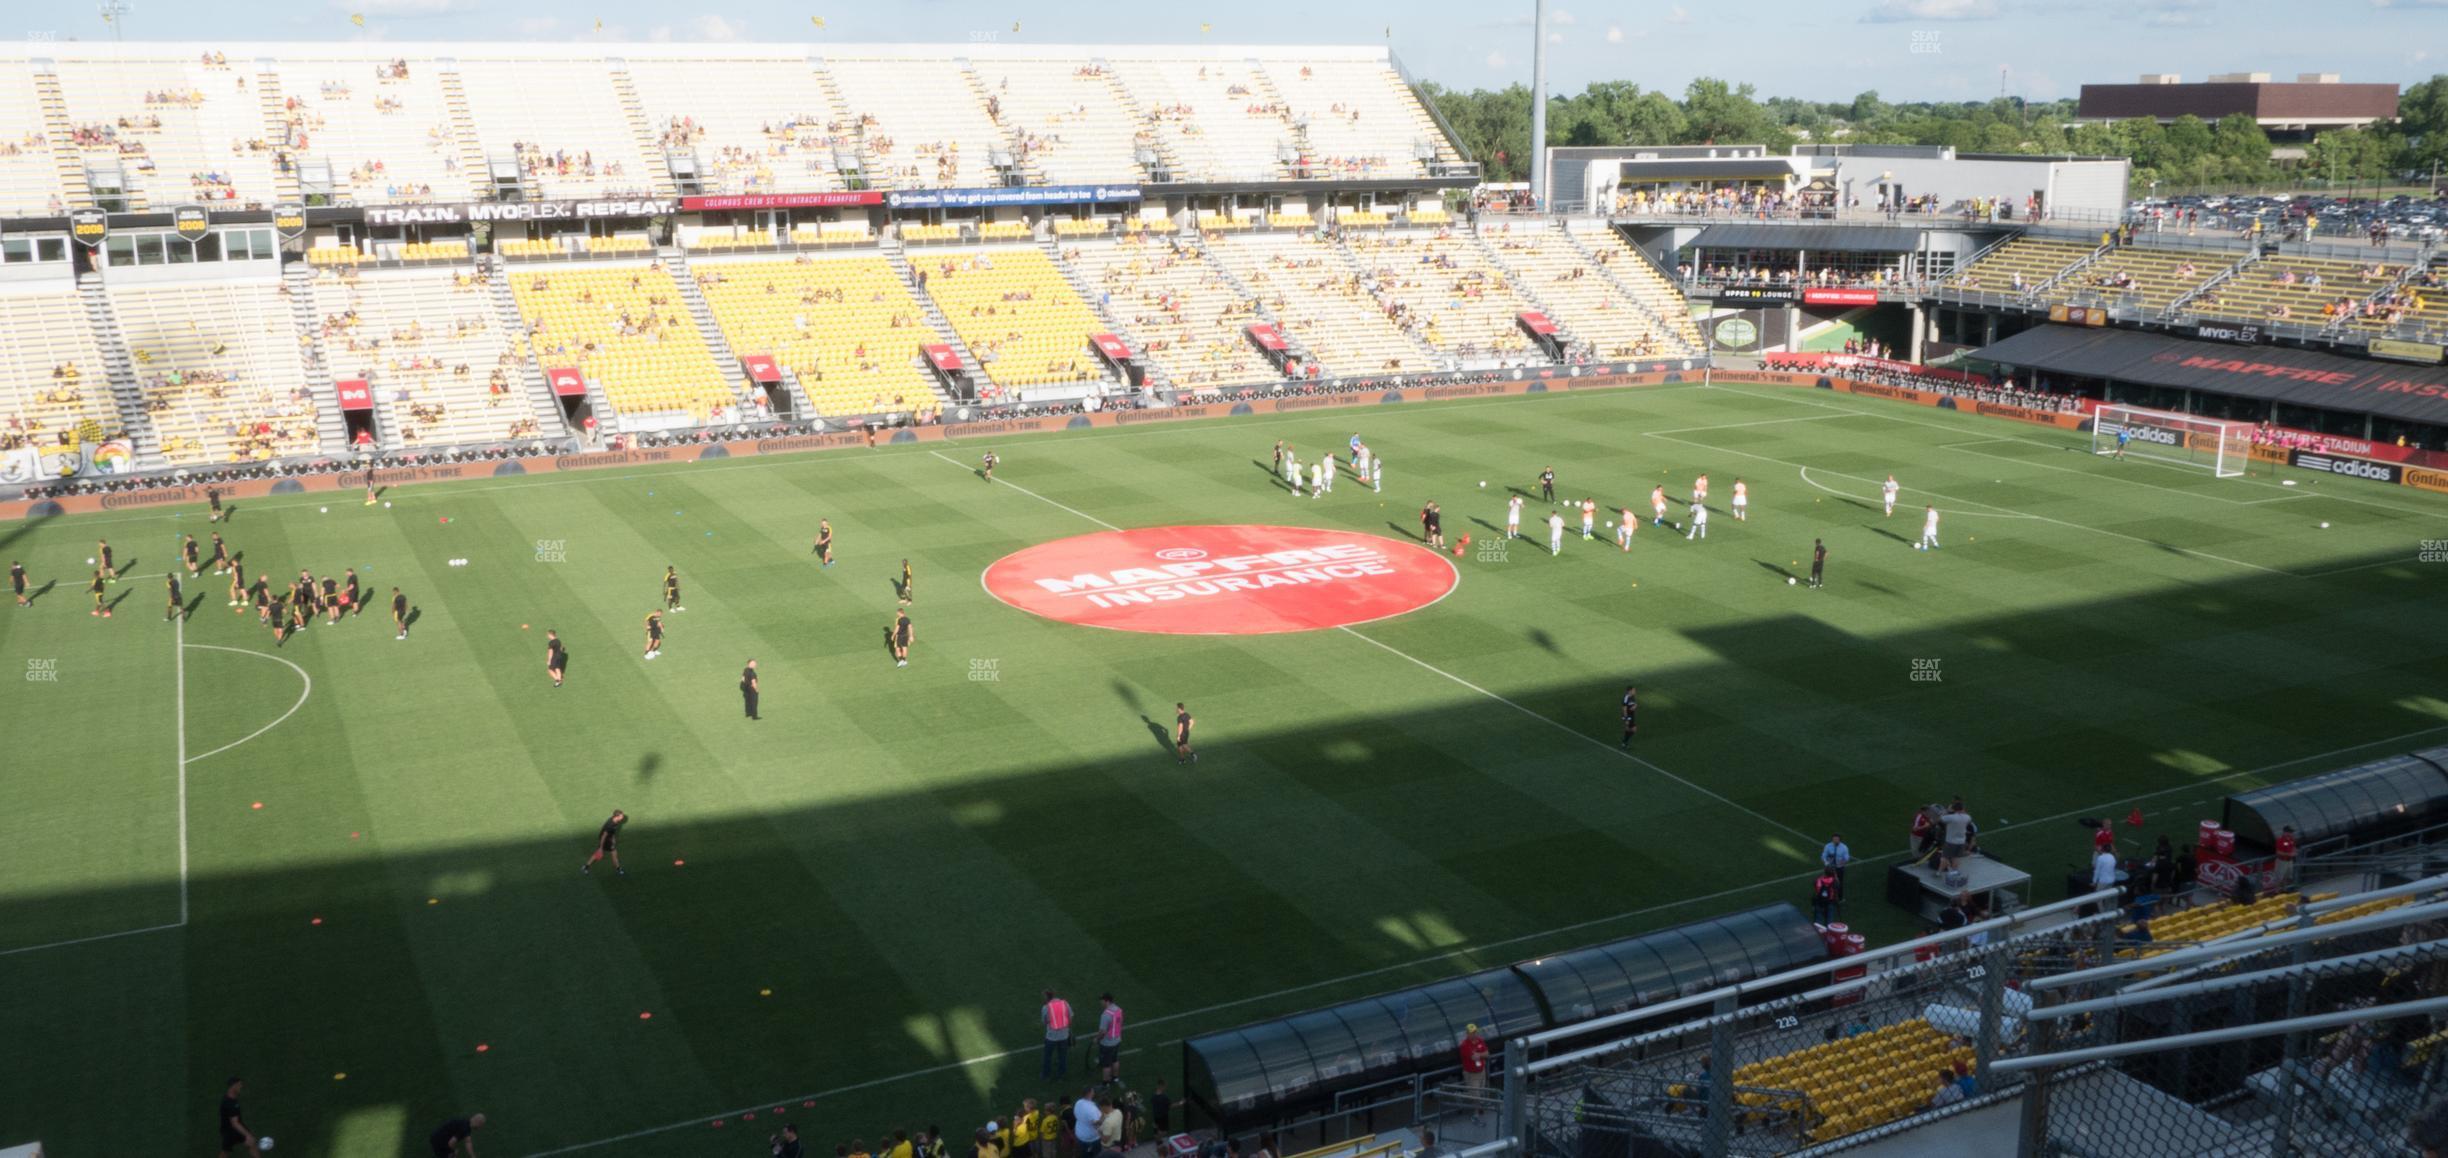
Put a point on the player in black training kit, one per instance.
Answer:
(261, 594)
(1631, 705)
(102, 549)
(607, 840)
(187, 553)
(749, 688)
(331, 600)
(1547, 484)
(901, 638)
(213, 495)
(220, 555)
(671, 589)
(824, 541)
(1181, 735)
(17, 583)
(96, 588)
(556, 658)
(989, 461)
(399, 612)
(231, 1121)
(349, 597)
(905, 582)
(654, 634)
(1432, 524)
(1818, 560)
(178, 602)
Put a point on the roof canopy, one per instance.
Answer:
(2367, 800)
(2284, 374)
(1816, 238)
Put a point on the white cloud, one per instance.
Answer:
(712, 26)
(1903, 11)
(1555, 38)
(1614, 34)
(1677, 15)
(1496, 60)
(1560, 17)
(401, 9)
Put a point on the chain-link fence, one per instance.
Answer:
(2294, 1026)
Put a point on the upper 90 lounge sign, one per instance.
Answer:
(1228, 580)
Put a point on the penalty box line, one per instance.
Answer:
(1584, 737)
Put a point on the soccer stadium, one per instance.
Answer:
(2032, 510)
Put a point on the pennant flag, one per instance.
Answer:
(1204, 29)
(357, 18)
(599, 24)
(1015, 26)
(818, 21)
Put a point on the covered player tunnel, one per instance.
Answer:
(1272, 1071)
(2364, 802)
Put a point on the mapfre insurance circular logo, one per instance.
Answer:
(1222, 580)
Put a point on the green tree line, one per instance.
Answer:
(1495, 126)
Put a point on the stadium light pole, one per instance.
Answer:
(1538, 105)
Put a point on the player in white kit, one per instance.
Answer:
(1555, 532)
(1376, 474)
(1589, 518)
(1657, 504)
(1292, 471)
(1317, 479)
(1623, 530)
(1700, 489)
(1889, 492)
(1929, 532)
(1328, 477)
(1742, 502)
(1513, 518)
(1699, 523)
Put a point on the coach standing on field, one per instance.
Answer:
(748, 688)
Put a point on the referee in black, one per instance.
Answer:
(748, 689)
(1818, 560)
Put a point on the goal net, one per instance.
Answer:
(2220, 447)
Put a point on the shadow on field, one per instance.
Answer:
(1876, 529)
(116, 600)
(1544, 641)
(1780, 571)
(1407, 532)
(36, 595)
(885, 910)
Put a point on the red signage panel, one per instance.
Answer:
(1110, 346)
(1267, 339)
(1536, 323)
(1840, 297)
(942, 357)
(566, 382)
(355, 394)
(761, 368)
(781, 201)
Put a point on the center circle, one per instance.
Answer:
(1226, 580)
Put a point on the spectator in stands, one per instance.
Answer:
(1474, 1055)
(1429, 1148)
(2103, 872)
(1084, 1118)
(1956, 914)
(1965, 1081)
(1948, 1093)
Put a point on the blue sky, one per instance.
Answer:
(1820, 49)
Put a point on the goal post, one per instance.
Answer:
(2221, 447)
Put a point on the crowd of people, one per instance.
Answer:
(2002, 392)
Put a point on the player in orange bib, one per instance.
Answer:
(1623, 530)
(1589, 518)
(1700, 489)
(1657, 506)
(1742, 501)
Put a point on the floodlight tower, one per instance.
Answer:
(114, 13)
(1538, 103)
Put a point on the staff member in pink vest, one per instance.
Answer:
(1055, 1015)
(1109, 1038)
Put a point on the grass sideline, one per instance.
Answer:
(904, 857)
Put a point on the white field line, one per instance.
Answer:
(303, 692)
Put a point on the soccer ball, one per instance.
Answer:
(1790, 581)
(323, 510)
(1482, 484)
(264, 1143)
(89, 562)
(1919, 547)
(2324, 526)
(386, 504)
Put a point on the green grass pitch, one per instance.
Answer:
(880, 877)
